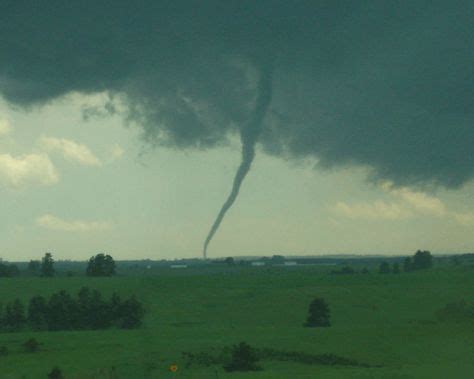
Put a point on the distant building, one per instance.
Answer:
(179, 266)
(258, 263)
(290, 263)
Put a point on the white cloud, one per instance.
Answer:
(31, 169)
(465, 219)
(379, 210)
(420, 201)
(5, 127)
(49, 221)
(116, 152)
(71, 150)
(409, 204)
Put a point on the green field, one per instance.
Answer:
(381, 320)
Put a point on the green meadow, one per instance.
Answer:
(385, 321)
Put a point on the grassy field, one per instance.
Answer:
(381, 320)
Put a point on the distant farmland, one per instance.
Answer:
(387, 322)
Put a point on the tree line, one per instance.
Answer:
(421, 260)
(61, 311)
(98, 265)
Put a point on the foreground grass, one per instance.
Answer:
(381, 320)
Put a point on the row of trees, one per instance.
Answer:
(421, 260)
(385, 268)
(98, 265)
(8, 270)
(88, 310)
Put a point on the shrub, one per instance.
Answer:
(55, 374)
(243, 358)
(31, 345)
(318, 314)
(3, 351)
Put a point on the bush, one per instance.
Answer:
(225, 355)
(3, 351)
(55, 374)
(243, 358)
(318, 314)
(31, 345)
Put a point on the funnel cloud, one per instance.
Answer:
(248, 136)
(386, 85)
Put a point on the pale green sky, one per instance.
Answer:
(77, 187)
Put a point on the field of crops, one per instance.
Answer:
(387, 323)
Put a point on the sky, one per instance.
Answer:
(123, 134)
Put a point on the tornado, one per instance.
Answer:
(249, 134)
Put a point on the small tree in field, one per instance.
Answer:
(101, 265)
(318, 314)
(47, 265)
(422, 260)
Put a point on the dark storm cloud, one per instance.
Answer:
(387, 84)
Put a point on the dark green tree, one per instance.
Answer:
(230, 261)
(37, 313)
(9, 270)
(101, 265)
(47, 265)
(243, 358)
(62, 312)
(115, 306)
(396, 268)
(99, 315)
(422, 260)
(14, 316)
(407, 265)
(318, 314)
(34, 268)
(131, 313)
(278, 259)
(384, 268)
